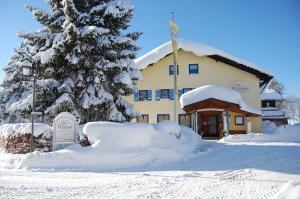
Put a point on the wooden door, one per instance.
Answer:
(208, 125)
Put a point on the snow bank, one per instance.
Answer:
(168, 126)
(7, 130)
(216, 92)
(115, 146)
(113, 136)
(271, 133)
(291, 190)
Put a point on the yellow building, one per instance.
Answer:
(200, 65)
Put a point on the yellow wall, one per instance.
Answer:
(157, 76)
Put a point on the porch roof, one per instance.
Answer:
(216, 97)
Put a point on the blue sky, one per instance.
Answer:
(266, 32)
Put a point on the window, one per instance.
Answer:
(171, 70)
(185, 120)
(164, 94)
(193, 69)
(143, 95)
(161, 117)
(239, 120)
(183, 90)
(143, 118)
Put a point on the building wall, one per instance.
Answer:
(212, 72)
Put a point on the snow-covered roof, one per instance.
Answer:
(198, 49)
(216, 92)
(270, 94)
(272, 113)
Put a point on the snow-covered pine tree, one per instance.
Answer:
(15, 95)
(86, 59)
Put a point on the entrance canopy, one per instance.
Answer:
(216, 97)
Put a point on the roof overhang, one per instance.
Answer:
(212, 103)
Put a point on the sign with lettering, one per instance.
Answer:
(240, 86)
(64, 128)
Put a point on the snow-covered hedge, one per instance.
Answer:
(116, 146)
(15, 138)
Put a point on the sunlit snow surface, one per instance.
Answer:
(268, 168)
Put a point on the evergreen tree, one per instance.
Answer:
(15, 94)
(85, 59)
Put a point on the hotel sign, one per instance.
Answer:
(64, 128)
(240, 86)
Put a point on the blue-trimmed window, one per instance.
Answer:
(143, 95)
(183, 90)
(171, 70)
(193, 69)
(164, 94)
(185, 120)
(161, 117)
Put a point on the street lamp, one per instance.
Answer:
(26, 68)
(29, 68)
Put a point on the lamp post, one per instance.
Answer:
(27, 69)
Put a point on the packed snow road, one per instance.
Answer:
(220, 170)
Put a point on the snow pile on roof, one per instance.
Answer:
(117, 146)
(270, 133)
(7, 130)
(270, 94)
(198, 49)
(273, 113)
(216, 92)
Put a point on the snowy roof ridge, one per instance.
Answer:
(197, 48)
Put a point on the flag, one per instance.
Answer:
(174, 33)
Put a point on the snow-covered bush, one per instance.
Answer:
(15, 138)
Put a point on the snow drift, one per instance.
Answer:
(271, 133)
(115, 146)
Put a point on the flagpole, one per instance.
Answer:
(173, 36)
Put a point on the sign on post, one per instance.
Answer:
(64, 128)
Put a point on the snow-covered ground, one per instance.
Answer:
(268, 168)
(243, 170)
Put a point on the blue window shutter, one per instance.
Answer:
(157, 94)
(171, 94)
(149, 95)
(136, 95)
(180, 92)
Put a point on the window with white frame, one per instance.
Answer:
(193, 69)
(239, 120)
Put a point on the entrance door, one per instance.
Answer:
(208, 125)
(212, 124)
